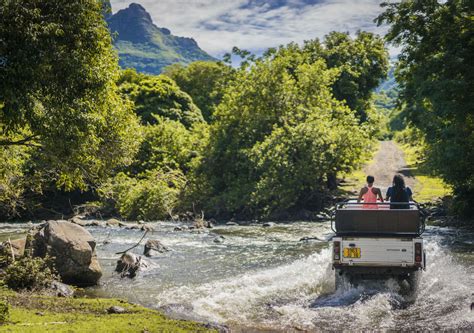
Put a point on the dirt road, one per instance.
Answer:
(387, 162)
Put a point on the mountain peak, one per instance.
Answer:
(133, 24)
(147, 48)
(137, 11)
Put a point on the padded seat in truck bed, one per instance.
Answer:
(384, 221)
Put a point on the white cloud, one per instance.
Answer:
(218, 25)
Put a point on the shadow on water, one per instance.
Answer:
(350, 295)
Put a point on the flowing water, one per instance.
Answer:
(265, 279)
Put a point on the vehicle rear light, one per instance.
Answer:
(337, 250)
(418, 253)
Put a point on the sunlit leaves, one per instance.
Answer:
(435, 74)
(158, 96)
(59, 86)
(277, 136)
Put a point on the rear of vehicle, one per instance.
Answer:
(378, 242)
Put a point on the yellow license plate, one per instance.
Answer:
(351, 252)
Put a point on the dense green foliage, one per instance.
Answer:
(173, 133)
(279, 133)
(62, 124)
(152, 196)
(154, 185)
(29, 273)
(363, 62)
(274, 136)
(13, 162)
(204, 81)
(158, 96)
(4, 311)
(435, 72)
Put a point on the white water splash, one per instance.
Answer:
(301, 295)
(247, 297)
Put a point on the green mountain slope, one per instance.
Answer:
(389, 83)
(147, 48)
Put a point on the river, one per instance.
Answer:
(267, 280)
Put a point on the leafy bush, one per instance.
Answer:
(153, 186)
(410, 136)
(4, 311)
(13, 160)
(158, 96)
(168, 145)
(29, 273)
(152, 197)
(204, 81)
(5, 256)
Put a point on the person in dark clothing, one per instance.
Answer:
(398, 192)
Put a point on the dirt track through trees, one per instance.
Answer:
(389, 161)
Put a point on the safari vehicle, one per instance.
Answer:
(378, 241)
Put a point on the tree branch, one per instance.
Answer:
(134, 246)
(23, 142)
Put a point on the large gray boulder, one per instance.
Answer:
(73, 250)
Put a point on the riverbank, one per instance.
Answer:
(33, 312)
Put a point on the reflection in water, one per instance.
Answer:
(267, 279)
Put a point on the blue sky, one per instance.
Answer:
(218, 25)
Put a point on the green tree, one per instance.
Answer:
(157, 184)
(435, 72)
(58, 95)
(158, 96)
(362, 61)
(204, 81)
(167, 145)
(278, 134)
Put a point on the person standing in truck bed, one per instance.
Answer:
(369, 194)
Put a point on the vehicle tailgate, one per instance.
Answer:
(388, 251)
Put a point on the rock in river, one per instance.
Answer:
(153, 247)
(129, 264)
(86, 222)
(73, 250)
(219, 239)
(113, 223)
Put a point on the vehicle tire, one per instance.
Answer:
(409, 285)
(343, 280)
(413, 280)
